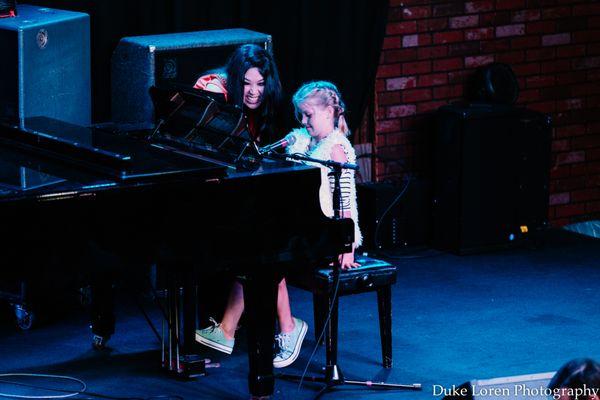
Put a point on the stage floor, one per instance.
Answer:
(455, 318)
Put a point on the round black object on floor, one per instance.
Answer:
(494, 83)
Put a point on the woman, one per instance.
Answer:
(250, 81)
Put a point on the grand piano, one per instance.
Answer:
(66, 189)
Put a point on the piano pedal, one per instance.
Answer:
(190, 367)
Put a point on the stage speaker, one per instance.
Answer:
(45, 67)
(491, 173)
(521, 387)
(176, 59)
(401, 211)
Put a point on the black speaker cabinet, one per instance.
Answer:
(140, 62)
(402, 213)
(491, 173)
(45, 65)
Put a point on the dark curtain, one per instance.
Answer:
(336, 40)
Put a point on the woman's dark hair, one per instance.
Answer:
(253, 56)
(577, 373)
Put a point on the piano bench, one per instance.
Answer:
(373, 275)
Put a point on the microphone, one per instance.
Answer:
(288, 140)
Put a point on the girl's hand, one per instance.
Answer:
(347, 261)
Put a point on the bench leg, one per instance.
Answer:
(384, 303)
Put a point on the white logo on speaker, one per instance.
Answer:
(42, 38)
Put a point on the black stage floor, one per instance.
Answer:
(455, 318)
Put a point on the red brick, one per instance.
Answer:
(416, 12)
(585, 195)
(392, 42)
(593, 49)
(592, 207)
(479, 34)
(387, 98)
(402, 55)
(432, 52)
(401, 83)
(560, 145)
(447, 64)
(586, 36)
(379, 85)
(530, 95)
(510, 30)
(570, 210)
(447, 37)
(568, 131)
(541, 54)
(416, 95)
(494, 46)
(570, 51)
(459, 76)
(570, 158)
(540, 81)
(592, 154)
(592, 8)
(593, 22)
(593, 127)
(586, 63)
(555, 12)
(388, 125)
(429, 106)
(389, 70)
(422, 39)
(432, 80)
(570, 104)
(559, 198)
(432, 24)
(525, 42)
(401, 110)
(571, 183)
(399, 138)
(464, 21)
(557, 39)
(444, 10)
(560, 172)
(571, 24)
(526, 69)
(544, 107)
(566, 78)
(556, 66)
(401, 28)
(444, 92)
(495, 19)
(525, 16)
(540, 27)
(509, 4)
(513, 57)
(419, 67)
(479, 6)
(478, 61)
(463, 49)
(585, 142)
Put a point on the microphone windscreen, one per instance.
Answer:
(290, 138)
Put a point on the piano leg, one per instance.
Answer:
(260, 298)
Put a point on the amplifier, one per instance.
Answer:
(140, 62)
(45, 68)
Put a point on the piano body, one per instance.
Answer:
(64, 188)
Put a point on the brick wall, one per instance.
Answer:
(553, 46)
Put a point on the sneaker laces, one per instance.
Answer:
(283, 342)
(214, 323)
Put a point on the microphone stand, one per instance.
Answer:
(333, 373)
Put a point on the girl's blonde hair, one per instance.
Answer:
(324, 94)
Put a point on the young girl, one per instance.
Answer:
(251, 81)
(320, 109)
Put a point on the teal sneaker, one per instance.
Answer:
(289, 344)
(214, 338)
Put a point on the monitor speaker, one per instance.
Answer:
(45, 67)
(491, 175)
(168, 60)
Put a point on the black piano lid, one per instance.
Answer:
(94, 149)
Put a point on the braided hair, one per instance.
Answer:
(324, 94)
